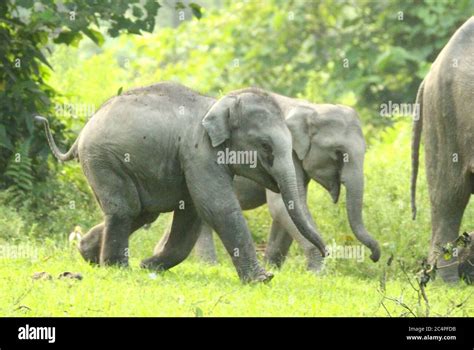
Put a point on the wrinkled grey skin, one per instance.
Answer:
(446, 99)
(154, 150)
(329, 148)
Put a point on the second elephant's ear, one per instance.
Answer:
(217, 119)
(298, 122)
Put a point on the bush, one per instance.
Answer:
(52, 209)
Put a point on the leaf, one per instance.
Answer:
(198, 312)
(447, 256)
(137, 11)
(69, 38)
(179, 5)
(43, 59)
(4, 140)
(119, 91)
(196, 9)
(94, 35)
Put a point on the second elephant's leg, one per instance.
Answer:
(314, 259)
(205, 248)
(278, 245)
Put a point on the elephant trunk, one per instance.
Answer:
(291, 197)
(353, 179)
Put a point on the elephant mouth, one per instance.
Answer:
(272, 185)
(334, 189)
(265, 180)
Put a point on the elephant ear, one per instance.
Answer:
(298, 122)
(217, 120)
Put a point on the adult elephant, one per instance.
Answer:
(446, 99)
(159, 149)
(329, 148)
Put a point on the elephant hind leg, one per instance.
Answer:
(447, 209)
(91, 244)
(178, 242)
(115, 240)
(119, 199)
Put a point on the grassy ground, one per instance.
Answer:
(347, 287)
(194, 289)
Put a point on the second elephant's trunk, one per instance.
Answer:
(353, 179)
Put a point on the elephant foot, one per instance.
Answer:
(259, 277)
(90, 253)
(315, 268)
(90, 245)
(274, 258)
(154, 263)
(315, 261)
(448, 270)
(275, 262)
(115, 261)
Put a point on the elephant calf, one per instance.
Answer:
(329, 148)
(446, 98)
(160, 149)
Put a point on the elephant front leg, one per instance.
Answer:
(227, 220)
(217, 204)
(232, 230)
(205, 248)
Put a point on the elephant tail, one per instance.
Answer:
(415, 145)
(62, 157)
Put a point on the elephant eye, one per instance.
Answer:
(267, 148)
(267, 153)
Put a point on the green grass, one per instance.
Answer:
(345, 288)
(195, 289)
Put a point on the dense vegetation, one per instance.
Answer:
(357, 53)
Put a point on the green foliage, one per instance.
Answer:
(13, 226)
(361, 54)
(19, 173)
(27, 31)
